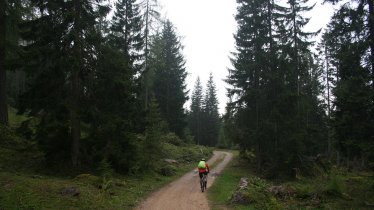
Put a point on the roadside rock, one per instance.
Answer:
(281, 191)
(70, 191)
(36, 177)
(240, 196)
(171, 161)
(168, 170)
(243, 183)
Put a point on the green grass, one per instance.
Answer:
(337, 190)
(27, 189)
(23, 191)
(225, 185)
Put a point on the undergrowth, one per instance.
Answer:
(338, 189)
(31, 189)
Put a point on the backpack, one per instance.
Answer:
(201, 165)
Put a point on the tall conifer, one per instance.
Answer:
(169, 80)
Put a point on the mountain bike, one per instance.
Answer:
(203, 182)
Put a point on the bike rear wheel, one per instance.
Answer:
(202, 185)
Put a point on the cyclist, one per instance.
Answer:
(203, 168)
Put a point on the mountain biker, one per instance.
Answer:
(203, 168)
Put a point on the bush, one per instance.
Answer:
(16, 153)
(168, 170)
(257, 194)
(304, 191)
(171, 138)
(105, 169)
(334, 185)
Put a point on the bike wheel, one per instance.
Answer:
(202, 185)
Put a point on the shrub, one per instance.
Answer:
(168, 170)
(304, 191)
(171, 138)
(258, 196)
(334, 185)
(105, 169)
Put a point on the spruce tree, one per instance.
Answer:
(249, 75)
(210, 114)
(169, 77)
(275, 108)
(126, 32)
(61, 42)
(151, 18)
(347, 44)
(196, 113)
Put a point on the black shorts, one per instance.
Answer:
(201, 174)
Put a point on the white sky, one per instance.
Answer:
(207, 28)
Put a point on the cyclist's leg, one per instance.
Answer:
(201, 182)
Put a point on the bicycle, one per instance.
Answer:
(203, 182)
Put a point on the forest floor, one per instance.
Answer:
(185, 193)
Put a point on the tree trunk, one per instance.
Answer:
(146, 85)
(75, 89)
(371, 38)
(3, 92)
(329, 143)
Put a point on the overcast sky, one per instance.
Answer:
(207, 28)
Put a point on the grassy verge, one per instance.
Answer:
(33, 191)
(21, 187)
(225, 185)
(337, 190)
(27, 191)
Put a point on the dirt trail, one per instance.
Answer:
(185, 193)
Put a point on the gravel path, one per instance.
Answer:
(185, 193)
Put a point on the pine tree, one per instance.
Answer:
(275, 108)
(170, 74)
(151, 18)
(210, 114)
(126, 32)
(250, 66)
(155, 129)
(61, 42)
(347, 44)
(196, 113)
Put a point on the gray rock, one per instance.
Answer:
(70, 191)
(171, 161)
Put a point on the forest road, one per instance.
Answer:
(185, 193)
